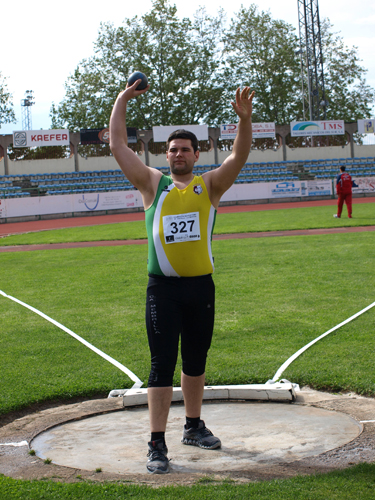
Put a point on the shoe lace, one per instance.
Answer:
(204, 432)
(157, 455)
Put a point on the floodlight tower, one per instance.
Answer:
(311, 59)
(26, 111)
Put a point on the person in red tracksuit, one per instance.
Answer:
(344, 191)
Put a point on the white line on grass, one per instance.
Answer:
(292, 358)
(138, 383)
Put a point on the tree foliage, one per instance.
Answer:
(349, 98)
(261, 53)
(38, 153)
(180, 58)
(6, 103)
(264, 53)
(194, 67)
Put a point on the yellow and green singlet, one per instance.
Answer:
(179, 225)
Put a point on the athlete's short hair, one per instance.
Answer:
(183, 134)
(342, 168)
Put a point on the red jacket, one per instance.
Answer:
(344, 184)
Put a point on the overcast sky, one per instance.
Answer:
(43, 42)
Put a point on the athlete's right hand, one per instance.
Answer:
(131, 92)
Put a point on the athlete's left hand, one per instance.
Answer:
(243, 106)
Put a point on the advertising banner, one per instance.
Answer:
(364, 185)
(33, 138)
(260, 130)
(161, 134)
(69, 203)
(38, 205)
(243, 192)
(366, 126)
(3, 212)
(101, 135)
(91, 202)
(316, 187)
(327, 127)
(285, 189)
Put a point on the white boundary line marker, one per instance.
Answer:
(284, 366)
(21, 443)
(137, 382)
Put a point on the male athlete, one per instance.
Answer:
(344, 191)
(180, 212)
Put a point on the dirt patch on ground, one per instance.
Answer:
(16, 461)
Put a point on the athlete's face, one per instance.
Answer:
(181, 156)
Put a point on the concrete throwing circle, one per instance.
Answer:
(251, 433)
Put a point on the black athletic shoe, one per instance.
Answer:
(157, 462)
(201, 437)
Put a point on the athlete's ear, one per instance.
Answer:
(196, 155)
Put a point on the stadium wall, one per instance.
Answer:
(301, 154)
(109, 163)
(131, 200)
(69, 205)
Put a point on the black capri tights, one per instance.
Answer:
(174, 307)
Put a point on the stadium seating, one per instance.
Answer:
(16, 186)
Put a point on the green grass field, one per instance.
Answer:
(274, 295)
(267, 220)
(357, 483)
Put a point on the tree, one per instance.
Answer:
(208, 97)
(180, 58)
(349, 97)
(194, 67)
(38, 153)
(264, 53)
(6, 104)
(261, 53)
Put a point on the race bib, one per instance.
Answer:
(181, 227)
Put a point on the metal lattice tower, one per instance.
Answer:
(26, 110)
(311, 60)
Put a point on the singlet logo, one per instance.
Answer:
(198, 189)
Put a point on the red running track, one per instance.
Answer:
(9, 228)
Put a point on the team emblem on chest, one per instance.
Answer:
(198, 189)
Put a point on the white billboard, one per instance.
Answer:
(3, 211)
(290, 189)
(260, 130)
(366, 126)
(33, 138)
(68, 203)
(91, 202)
(326, 127)
(161, 134)
(364, 185)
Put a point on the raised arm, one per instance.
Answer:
(221, 179)
(145, 179)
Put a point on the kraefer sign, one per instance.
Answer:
(33, 138)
